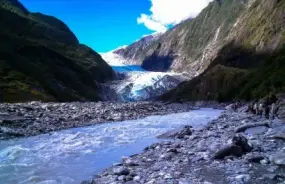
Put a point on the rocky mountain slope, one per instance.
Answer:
(132, 52)
(250, 64)
(41, 59)
(191, 45)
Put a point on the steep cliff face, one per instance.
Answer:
(41, 59)
(250, 62)
(132, 52)
(192, 45)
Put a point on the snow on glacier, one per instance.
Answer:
(138, 83)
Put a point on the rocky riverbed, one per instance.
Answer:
(236, 148)
(27, 119)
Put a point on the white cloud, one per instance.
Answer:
(151, 24)
(170, 12)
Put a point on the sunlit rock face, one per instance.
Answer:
(134, 83)
(132, 53)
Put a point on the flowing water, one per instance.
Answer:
(74, 155)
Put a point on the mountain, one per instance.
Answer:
(132, 52)
(193, 44)
(41, 59)
(232, 49)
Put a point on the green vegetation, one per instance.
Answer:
(41, 59)
(190, 38)
(250, 64)
(219, 83)
(268, 79)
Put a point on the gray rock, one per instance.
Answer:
(277, 177)
(280, 136)
(278, 158)
(256, 130)
(137, 178)
(243, 178)
(242, 128)
(121, 171)
(130, 162)
(255, 158)
(185, 132)
(241, 141)
(231, 150)
(121, 178)
(239, 147)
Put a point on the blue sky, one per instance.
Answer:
(101, 24)
(107, 24)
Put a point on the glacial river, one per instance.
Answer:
(74, 155)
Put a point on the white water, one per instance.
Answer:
(74, 155)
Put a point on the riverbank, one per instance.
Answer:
(28, 119)
(235, 148)
(61, 156)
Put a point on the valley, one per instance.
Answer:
(201, 102)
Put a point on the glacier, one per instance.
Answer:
(133, 83)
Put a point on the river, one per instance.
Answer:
(74, 155)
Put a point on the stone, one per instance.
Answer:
(231, 150)
(271, 176)
(278, 158)
(169, 134)
(241, 141)
(130, 162)
(168, 176)
(264, 161)
(185, 132)
(272, 169)
(121, 171)
(197, 159)
(121, 178)
(251, 125)
(152, 181)
(280, 136)
(256, 130)
(137, 178)
(274, 176)
(243, 178)
(255, 158)
(171, 150)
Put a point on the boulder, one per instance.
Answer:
(255, 158)
(242, 128)
(238, 147)
(187, 131)
(231, 150)
(278, 158)
(121, 171)
(241, 141)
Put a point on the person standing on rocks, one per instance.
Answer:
(252, 107)
(266, 110)
(255, 109)
(260, 109)
(269, 105)
(273, 109)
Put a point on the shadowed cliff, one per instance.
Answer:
(41, 59)
(237, 73)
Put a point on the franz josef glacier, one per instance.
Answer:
(133, 83)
